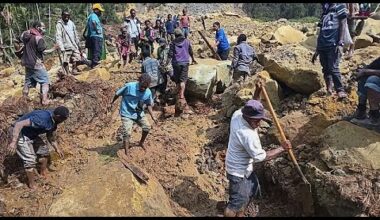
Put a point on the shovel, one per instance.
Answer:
(305, 187)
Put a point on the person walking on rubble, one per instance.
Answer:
(184, 23)
(28, 144)
(330, 45)
(32, 60)
(135, 95)
(134, 30)
(368, 88)
(94, 35)
(244, 55)
(68, 41)
(165, 67)
(123, 44)
(244, 149)
(221, 41)
(170, 26)
(180, 51)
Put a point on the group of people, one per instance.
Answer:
(173, 60)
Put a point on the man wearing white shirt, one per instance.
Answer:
(133, 25)
(244, 148)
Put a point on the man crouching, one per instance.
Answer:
(30, 146)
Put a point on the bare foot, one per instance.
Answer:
(32, 186)
(44, 174)
(143, 146)
(46, 102)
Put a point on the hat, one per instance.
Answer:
(97, 6)
(162, 41)
(254, 109)
(178, 32)
(62, 111)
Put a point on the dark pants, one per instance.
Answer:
(223, 54)
(96, 48)
(241, 190)
(180, 72)
(362, 92)
(330, 59)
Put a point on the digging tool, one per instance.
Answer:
(307, 198)
(209, 46)
(203, 23)
(134, 169)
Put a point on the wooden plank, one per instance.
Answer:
(134, 169)
(209, 46)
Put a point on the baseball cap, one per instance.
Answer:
(254, 109)
(97, 6)
(62, 111)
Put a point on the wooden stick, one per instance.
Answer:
(209, 46)
(38, 12)
(282, 134)
(49, 20)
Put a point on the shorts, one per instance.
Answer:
(70, 56)
(180, 72)
(127, 124)
(373, 82)
(241, 190)
(186, 31)
(34, 76)
(237, 75)
(28, 150)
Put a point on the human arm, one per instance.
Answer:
(52, 139)
(192, 54)
(58, 37)
(367, 72)
(15, 134)
(315, 55)
(258, 88)
(235, 58)
(149, 103)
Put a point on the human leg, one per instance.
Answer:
(127, 124)
(145, 126)
(26, 152)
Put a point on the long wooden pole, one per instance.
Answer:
(209, 46)
(282, 134)
(49, 20)
(38, 12)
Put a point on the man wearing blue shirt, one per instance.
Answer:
(95, 33)
(134, 96)
(170, 25)
(221, 41)
(28, 144)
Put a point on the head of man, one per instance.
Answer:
(98, 9)
(216, 26)
(144, 81)
(65, 16)
(158, 23)
(169, 17)
(241, 38)
(39, 26)
(253, 113)
(133, 13)
(124, 31)
(184, 11)
(60, 114)
(178, 33)
(162, 42)
(147, 23)
(145, 50)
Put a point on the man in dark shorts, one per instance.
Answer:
(180, 52)
(368, 88)
(27, 142)
(244, 149)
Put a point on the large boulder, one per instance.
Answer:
(371, 26)
(111, 190)
(291, 65)
(206, 76)
(288, 35)
(311, 42)
(347, 144)
(363, 41)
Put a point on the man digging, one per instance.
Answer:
(134, 96)
(27, 142)
(244, 148)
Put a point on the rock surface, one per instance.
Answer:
(288, 35)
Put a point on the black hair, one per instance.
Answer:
(169, 14)
(146, 21)
(217, 23)
(36, 24)
(65, 11)
(130, 11)
(145, 50)
(145, 79)
(242, 37)
(62, 111)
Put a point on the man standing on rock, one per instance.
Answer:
(180, 51)
(30, 147)
(244, 148)
(330, 45)
(135, 95)
(244, 55)
(32, 60)
(221, 41)
(68, 41)
(184, 23)
(95, 34)
(368, 86)
(170, 25)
